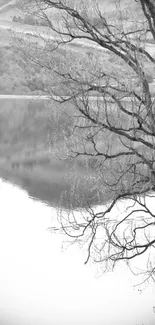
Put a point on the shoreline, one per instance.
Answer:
(54, 186)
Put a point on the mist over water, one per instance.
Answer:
(40, 285)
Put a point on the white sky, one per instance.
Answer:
(39, 285)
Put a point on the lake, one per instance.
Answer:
(40, 285)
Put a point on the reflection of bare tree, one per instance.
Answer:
(113, 122)
(15, 165)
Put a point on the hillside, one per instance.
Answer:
(8, 9)
(11, 8)
(13, 18)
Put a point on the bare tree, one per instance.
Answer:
(112, 127)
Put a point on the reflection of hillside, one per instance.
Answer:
(54, 184)
(25, 158)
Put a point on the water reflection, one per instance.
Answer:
(40, 285)
(57, 184)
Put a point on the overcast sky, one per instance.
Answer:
(39, 285)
